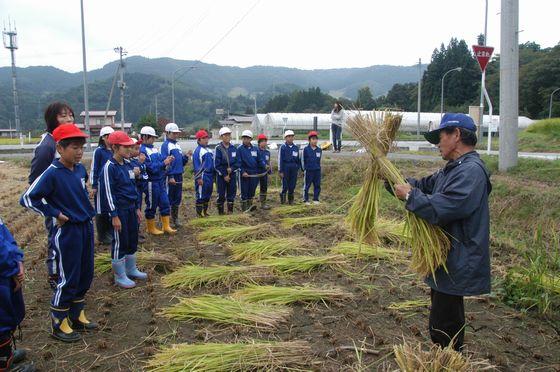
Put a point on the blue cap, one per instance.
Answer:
(451, 121)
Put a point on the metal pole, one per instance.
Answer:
(156, 111)
(419, 97)
(86, 98)
(122, 85)
(10, 42)
(173, 96)
(442, 83)
(483, 79)
(550, 104)
(509, 84)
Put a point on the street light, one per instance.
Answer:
(550, 105)
(458, 69)
(173, 88)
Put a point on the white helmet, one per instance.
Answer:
(289, 133)
(172, 127)
(247, 133)
(106, 130)
(224, 130)
(149, 131)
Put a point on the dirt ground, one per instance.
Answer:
(131, 329)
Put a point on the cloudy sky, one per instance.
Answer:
(295, 33)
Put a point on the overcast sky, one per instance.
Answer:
(306, 34)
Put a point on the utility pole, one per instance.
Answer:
(483, 79)
(84, 75)
(419, 97)
(10, 42)
(550, 103)
(122, 85)
(156, 111)
(509, 84)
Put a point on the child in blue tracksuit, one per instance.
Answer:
(156, 194)
(288, 166)
(119, 200)
(175, 170)
(100, 156)
(12, 308)
(226, 165)
(311, 165)
(61, 193)
(264, 172)
(250, 163)
(203, 167)
(136, 164)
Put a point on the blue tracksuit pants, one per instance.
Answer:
(248, 186)
(311, 177)
(156, 197)
(204, 192)
(226, 190)
(263, 184)
(289, 180)
(73, 244)
(51, 263)
(175, 192)
(125, 242)
(12, 308)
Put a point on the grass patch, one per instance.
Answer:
(288, 210)
(194, 276)
(159, 261)
(225, 220)
(230, 311)
(305, 264)
(542, 136)
(234, 357)
(255, 250)
(365, 251)
(233, 234)
(273, 295)
(329, 219)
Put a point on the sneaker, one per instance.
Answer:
(307, 203)
(316, 202)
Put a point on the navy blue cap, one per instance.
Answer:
(451, 121)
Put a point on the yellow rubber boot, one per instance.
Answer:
(165, 221)
(151, 227)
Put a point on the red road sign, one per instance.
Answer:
(483, 55)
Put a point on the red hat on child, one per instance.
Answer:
(119, 137)
(65, 131)
(312, 134)
(262, 136)
(201, 134)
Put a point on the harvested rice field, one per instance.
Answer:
(298, 292)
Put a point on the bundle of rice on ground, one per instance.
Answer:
(234, 234)
(159, 261)
(272, 295)
(293, 264)
(429, 243)
(225, 310)
(365, 251)
(409, 305)
(212, 221)
(257, 249)
(235, 357)
(412, 358)
(194, 276)
(328, 219)
(287, 210)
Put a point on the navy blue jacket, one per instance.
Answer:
(203, 163)
(154, 162)
(60, 189)
(311, 158)
(456, 199)
(140, 180)
(288, 156)
(117, 187)
(224, 158)
(250, 159)
(171, 147)
(100, 157)
(10, 254)
(265, 154)
(45, 153)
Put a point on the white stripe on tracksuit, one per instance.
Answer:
(304, 171)
(108, 186)
(26, 198)
(62, 281)
(280, 158)
(117, 244)
(149, 196)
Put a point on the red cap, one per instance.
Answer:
(65, 131)
(312, 133)
(262, 136)
(201, 134)
(119, 137)
(139, 141)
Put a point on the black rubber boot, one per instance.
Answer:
(250, 206)
(60, 327)
(220, 209)
(102, 228)
(205, 210)
(78, 319)
(262, 199)
(290, 199)
(230, 207)
(6, 353)
(199, 210)
(282, 198)
(175, 221)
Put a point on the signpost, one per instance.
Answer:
(483, 54)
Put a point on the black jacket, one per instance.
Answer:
(44, 155)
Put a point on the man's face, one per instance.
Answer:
(263, 144)
(247, 141)
(203, 141)
(226, 138)
(72, 153)
(173, 135)
(448, 143)
(290, 139)
(313, 141)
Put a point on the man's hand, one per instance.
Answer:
(92, 193)
(19, 277)
(136, 171)
(172, 181)
(245, 174)
(401, 191)
(117, 223)
(61, 219)
(168, 160)
(199, 182)
(139, 215)
(227, 178)
(228, 171)
(189, 153)
(142, 158)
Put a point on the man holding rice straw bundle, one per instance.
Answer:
(456, 199)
